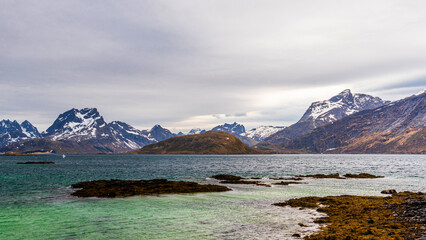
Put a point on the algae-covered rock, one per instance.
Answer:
(401, 216)
(390, 191)
(124, 188)
(227, 177)
(333, 175)
(362, 175)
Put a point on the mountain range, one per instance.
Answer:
(321, 113)
(85, 131)
(398, 127)
(355, 122)
(12, 131)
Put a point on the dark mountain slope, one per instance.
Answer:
(324, 112)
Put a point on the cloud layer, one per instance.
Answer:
(187, 64)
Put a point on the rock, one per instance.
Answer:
(288, 178)
(333, 175)
(124, 188)
(362, 175)
(41, 162)
(226, 177)
(390, 191)
(400, 216)
(287, 183)
(239, 182)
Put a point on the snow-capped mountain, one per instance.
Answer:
(85, 130)
(159, 133)
(196, 131)
(262, 132)
(340, 106)
(323, 112)
(398, 127)
(234, 128)
(237, 130)
(12, 131)
(85, 123)
(130, 136)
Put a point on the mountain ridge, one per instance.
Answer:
(85, 131)
(398, 127)
(12, 131)
(323, 112)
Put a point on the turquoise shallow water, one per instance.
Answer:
(35, 201)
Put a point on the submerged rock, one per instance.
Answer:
(333, 175)
(288, 178)
(287, 183)
(232, 179)
(125, 188)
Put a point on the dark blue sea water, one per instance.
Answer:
(35, 201)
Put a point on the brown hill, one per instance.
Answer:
(398, 127)
(211, 142)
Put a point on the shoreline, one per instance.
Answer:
(399, 216)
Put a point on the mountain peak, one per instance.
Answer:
(156, 126)
(233, 128)
(345, 92)
(339, 106)
(76, 123)
(344, 96)
(12, 131)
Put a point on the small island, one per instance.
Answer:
(126, 188)
(41, 162)
(211, 142)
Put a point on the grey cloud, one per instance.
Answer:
(147, 62)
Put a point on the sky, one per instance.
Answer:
(187, 64)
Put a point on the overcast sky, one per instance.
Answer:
(185, 64)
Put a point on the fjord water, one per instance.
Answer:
(35, 201)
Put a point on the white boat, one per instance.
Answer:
(63, 156)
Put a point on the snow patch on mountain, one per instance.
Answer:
(262, 132)
(234, 128)
(196, 131)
